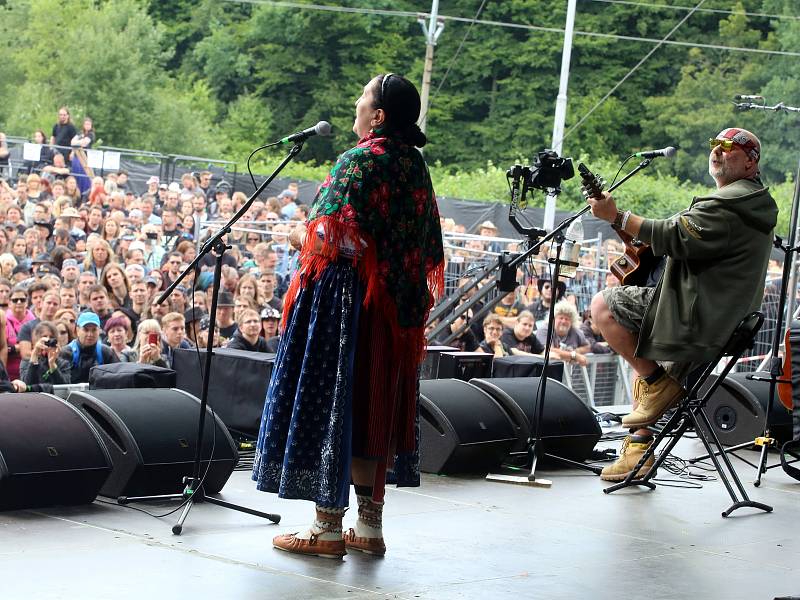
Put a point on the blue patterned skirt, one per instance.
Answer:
(305, 443)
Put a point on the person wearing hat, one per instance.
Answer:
(547, 295)
(717, 252)
(270, 320)
(248, 335)
(152, 185)
(86, 350)
(489, 229)
(192, 317)
(225, 319)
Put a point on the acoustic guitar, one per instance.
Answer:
(785, 387)
(637, 261)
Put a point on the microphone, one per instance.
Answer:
(667, 152)
(741, 97)
(322, 128)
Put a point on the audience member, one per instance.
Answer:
(86, 350)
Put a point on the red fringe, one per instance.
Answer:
(396, 349)
(316, 254)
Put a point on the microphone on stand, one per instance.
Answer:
(667, 152)
(322, 128)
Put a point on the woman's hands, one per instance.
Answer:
(41, 349)
(149, 353)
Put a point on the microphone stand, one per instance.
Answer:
(535, 443)
(193, 492)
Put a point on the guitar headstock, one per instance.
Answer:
(591, 184)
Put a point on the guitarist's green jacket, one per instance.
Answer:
(717, 253)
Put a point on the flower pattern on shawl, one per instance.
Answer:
(381, 192)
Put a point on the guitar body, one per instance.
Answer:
(785, 389)
(637, 262)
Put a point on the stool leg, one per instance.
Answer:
(745, 501)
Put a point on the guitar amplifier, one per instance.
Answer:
(794, 348)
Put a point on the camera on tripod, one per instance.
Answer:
(546, 173)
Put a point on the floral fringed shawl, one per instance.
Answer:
(379, 198)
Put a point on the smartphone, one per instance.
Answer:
(153, 338)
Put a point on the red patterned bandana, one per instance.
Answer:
(744, 139)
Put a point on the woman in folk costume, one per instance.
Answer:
(342, 403)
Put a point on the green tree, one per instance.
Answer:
(106, 62)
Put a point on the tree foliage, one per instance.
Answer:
(217, 79)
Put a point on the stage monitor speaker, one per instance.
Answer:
(237, 386)
(568, 428)
(50, 453)
(464, 365)
(738, 408)
(151, 436)
(462, 428)
(430, 366)
(526, 366)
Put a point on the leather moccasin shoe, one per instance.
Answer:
(367, 545)
(313, 546)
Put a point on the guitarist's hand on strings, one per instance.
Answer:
(604, 207)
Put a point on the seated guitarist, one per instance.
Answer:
(717, 252)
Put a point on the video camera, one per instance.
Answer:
(546, 173)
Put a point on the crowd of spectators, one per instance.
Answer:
(81, 268)
(81, 271)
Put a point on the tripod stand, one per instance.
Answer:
(535, 443)
(193, 490)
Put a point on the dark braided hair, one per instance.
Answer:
(400, 101)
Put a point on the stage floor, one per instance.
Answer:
(454, 537)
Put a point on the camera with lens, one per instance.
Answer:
(151, 235)
(546, 173)
(51, 343)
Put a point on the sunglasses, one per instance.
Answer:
(19, 300)
(726, 145)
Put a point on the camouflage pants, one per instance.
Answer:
(628, 304)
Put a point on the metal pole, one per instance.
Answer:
(432, 30)
(561, 106)
(793, 224)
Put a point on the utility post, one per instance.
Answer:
(561, 107)
(432, 30)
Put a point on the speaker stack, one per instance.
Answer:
(473, 426)
(50, 453)
(738, 410)
(126, 442)
(151, 437)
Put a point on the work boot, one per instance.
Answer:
(629, 456)
(652, 400)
